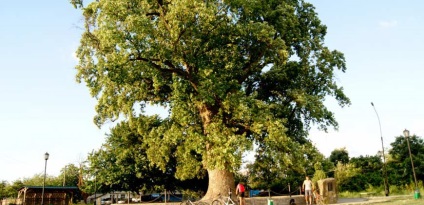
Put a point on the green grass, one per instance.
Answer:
(401, 200)
(379, 191)
(397, 196)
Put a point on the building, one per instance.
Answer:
(32, 195)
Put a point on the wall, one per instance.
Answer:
(277, 200)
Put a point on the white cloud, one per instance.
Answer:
(388, 24)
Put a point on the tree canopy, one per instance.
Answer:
(339, 155)
(399, 166)
(370, 174)
(230, 73)
(268, 173)
(122, 164)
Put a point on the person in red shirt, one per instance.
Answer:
(240, 193)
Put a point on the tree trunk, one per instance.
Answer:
(220, 182)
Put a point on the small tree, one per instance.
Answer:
(319, 173)
(399, 166)
(38, 180)
(371, 173)
(12, 189)
(343, 173)
(339, 155)
(3, 185)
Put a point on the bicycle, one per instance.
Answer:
(189, 202)
(318, 198)
(226, 201)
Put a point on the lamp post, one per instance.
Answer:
(406, 133)
(95, 187)
(64, 176)
(46, 157)
(386, 186)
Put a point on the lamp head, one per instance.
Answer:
(406, 133)
(46, 156)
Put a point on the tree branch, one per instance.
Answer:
(171, 68)
(153, 14)
(248, 66)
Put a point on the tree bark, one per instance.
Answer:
(220, 182)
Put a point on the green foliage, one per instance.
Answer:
(345, 172)
(269, 172)
(379, 191)
(38, 180)
(371, 173)
(12, 189)
(69, 175)
(76, 3)
(399, 167)
(320, 171)
(123, 164)
(231, 74)
(318, 175)
(192, 195)
(339, 155)
(3, 185)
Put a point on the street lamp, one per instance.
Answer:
(64, 176)
(95, 187)
(46, 157)
(386, 186)
(406, 133)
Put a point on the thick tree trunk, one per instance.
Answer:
(220, 182)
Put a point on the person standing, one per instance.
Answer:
(240, 193)
(307, 188)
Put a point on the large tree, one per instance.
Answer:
(231, 73)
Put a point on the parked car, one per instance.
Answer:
(122, 201)
(136, 200)
(106, 201)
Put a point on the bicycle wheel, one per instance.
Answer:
(231, 202)
(185, 203)
(201, 203)
(217, 202)
(319, 201)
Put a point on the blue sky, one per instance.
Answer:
(43, 109)
(382, 42)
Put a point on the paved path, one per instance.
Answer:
(300, 201)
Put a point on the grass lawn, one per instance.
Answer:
(397, 200)
(402, 201)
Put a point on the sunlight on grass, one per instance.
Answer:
(394, 200)
(411, 201)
